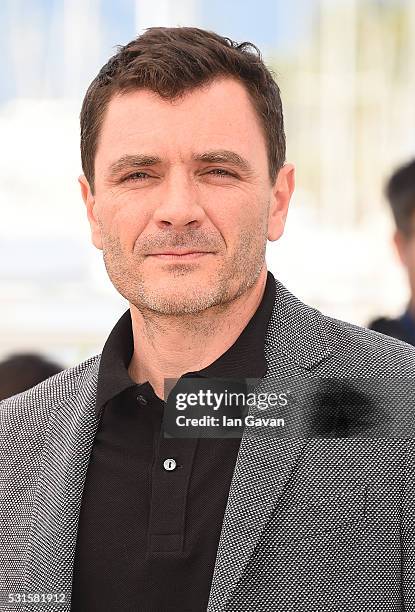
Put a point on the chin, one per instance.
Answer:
(180, 299)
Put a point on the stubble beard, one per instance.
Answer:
(223, 285)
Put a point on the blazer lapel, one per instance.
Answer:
(65, 460)
(295, 337)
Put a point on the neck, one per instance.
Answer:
(168, 347)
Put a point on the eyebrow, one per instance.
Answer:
(219, 156)
(132, 161)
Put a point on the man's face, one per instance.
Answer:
(189, 175)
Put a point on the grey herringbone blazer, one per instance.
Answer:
(311, 524)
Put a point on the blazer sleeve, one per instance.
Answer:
(408, 529)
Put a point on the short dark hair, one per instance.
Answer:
(22, 371)
(173, 61)
(400, 191)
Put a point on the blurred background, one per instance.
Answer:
(346, 70)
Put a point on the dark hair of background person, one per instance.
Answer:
(400, 191)
(22, 371)
(171, 62)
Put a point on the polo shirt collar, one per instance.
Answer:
(244, 359)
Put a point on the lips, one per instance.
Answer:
(180, 255)
(178, 252)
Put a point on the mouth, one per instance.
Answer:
(180, 256)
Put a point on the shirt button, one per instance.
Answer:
(169, 464)
(142, 400)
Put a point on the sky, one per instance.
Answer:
(52, 48)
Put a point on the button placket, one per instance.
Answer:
(169, 495)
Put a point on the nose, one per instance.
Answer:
(179, 202)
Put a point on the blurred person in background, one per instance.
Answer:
(400, 192)
(184, 182)
(20, 372)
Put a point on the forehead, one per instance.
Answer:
(216, 116)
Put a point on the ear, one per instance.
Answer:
(89, 200)
(281, 195)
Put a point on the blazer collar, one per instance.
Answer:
(297, 331)
(297, 340)
(63, 466)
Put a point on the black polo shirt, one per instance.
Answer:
(148, 536)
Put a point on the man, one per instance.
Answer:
(184, 181)
(400, 191)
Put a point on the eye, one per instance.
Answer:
(221, 172)
(137, 176)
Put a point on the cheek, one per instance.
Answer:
(125, 224)
(234, 211)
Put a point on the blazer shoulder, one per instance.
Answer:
(368, 351)
(50, 393)
(331, 347)
(25, 417)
